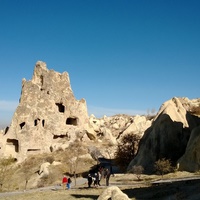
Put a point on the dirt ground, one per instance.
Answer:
(136, 190)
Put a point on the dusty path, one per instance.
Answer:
(179, 188)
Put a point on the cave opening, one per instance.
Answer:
(61, 108)
(72, 121)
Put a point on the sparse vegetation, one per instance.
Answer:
(163, 166)
(72, 158)
(28, 170)
(6, 165)
(126, 150)
(138, 170)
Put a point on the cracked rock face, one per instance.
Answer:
(172, 135)
(48, 115)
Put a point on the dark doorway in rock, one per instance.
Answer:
(14, 143)
(61, 108)
(6, 130)
(42, 80)
(59, 136)
(72, 121)
(36, 121)
(22, 125)
(43, 121)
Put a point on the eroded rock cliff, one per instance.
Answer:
(168, 137)
(48, 115)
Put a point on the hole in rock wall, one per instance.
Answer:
(36, 121)
(12, 145)
(72, 121)
(32, 151)
(61, 108)
(6, 130)
(42, 80)
(43, 122)
(22, 125)
(59, 136)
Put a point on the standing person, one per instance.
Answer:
(107, 176)
(99, 178)
(95, 180)
(69, 183)
(64, 182)
(89, 180)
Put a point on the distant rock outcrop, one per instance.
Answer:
(169, 135)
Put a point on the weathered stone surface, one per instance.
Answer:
(168, 136)
(44, 169)
(110, 130)
(48, 116)
(113, 192)
(190, 160)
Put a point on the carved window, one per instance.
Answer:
(59, 136)
(6, 130)
(22, 125)
(14, 143)
(72, 121)
(61, 108)
(43, 122)
(33, 149)
(36, 122)
(42, 80)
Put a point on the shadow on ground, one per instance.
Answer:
(80, 196)
(178, 190)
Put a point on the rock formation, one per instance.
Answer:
(169, 135)
(190, 160)
(110, 130)
(48, 116)
(113, 193)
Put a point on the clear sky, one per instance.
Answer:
(122, 56)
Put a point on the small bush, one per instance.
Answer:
(138, 170)
(163, 166)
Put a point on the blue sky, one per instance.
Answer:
(122, 56)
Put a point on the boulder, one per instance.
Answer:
(113, 193)
(44, 169)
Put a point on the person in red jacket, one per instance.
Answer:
(64, 182)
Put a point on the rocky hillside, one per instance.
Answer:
(49, 118)
(173, 135)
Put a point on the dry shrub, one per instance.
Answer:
(138, 170)
(163, 166)
(126, 150)
(6, 171)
